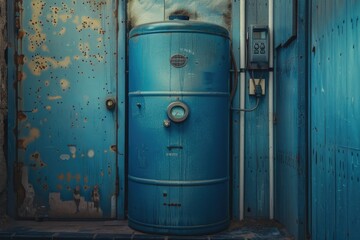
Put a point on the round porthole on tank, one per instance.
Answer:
(178, 112)
(178, 60)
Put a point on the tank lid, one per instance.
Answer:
(179, 26)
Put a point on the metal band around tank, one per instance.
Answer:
(177, 183)
(166, 93)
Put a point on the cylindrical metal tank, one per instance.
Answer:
(178, 167)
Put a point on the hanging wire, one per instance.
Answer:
(235, 84)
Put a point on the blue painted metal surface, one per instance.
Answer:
(291, 124)
(256, 132)
(70, 149)
(335, 116)
(179, 175)
(121, 99)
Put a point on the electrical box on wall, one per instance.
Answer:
(254, 84)
(258, 47)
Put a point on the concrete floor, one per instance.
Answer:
(249, 229)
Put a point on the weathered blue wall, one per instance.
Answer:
(66, 58)
(256, 202)
(291, 117)
(335, 117)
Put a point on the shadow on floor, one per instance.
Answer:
(111, 230)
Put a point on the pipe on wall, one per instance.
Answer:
(242, 106)
(271, 110)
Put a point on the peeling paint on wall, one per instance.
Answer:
(39, 64)
(37, 162)
(67, 66)
(34, 133)
(37, 38)
(27, 207)
(53, 98)
(78, 207)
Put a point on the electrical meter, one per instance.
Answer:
(258, 47)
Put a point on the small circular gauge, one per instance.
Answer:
(177, 111)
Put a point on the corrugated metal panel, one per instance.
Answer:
(66, 64)
(291, 126)
(335, 115)
(285, 21)
(256, 133)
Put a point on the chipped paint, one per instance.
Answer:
(95, 196)
(64, 157)
(39, 64)
(27, 208)
(72, 150)
(84, 48)
(53, 98)
(66, 208)
(45, 48)
(55, 14)
(91, 153)
(37, 161)
(64, 84)
(90, 23)
(34, 134)
(62, 31)
(60, 47)
(38, 37)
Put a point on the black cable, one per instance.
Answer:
(235, 76)
(248, 110)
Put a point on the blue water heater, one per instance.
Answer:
(178, 180)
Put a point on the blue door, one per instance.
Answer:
(67, 111)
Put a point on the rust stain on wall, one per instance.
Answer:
(20, 59)
(21, 116)
(34, 134)
(68, 176)
(86, 22)
(37, 161)
(39, 64)
(37, 38)
(61, 176)
(21, 76)
(62, 13)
